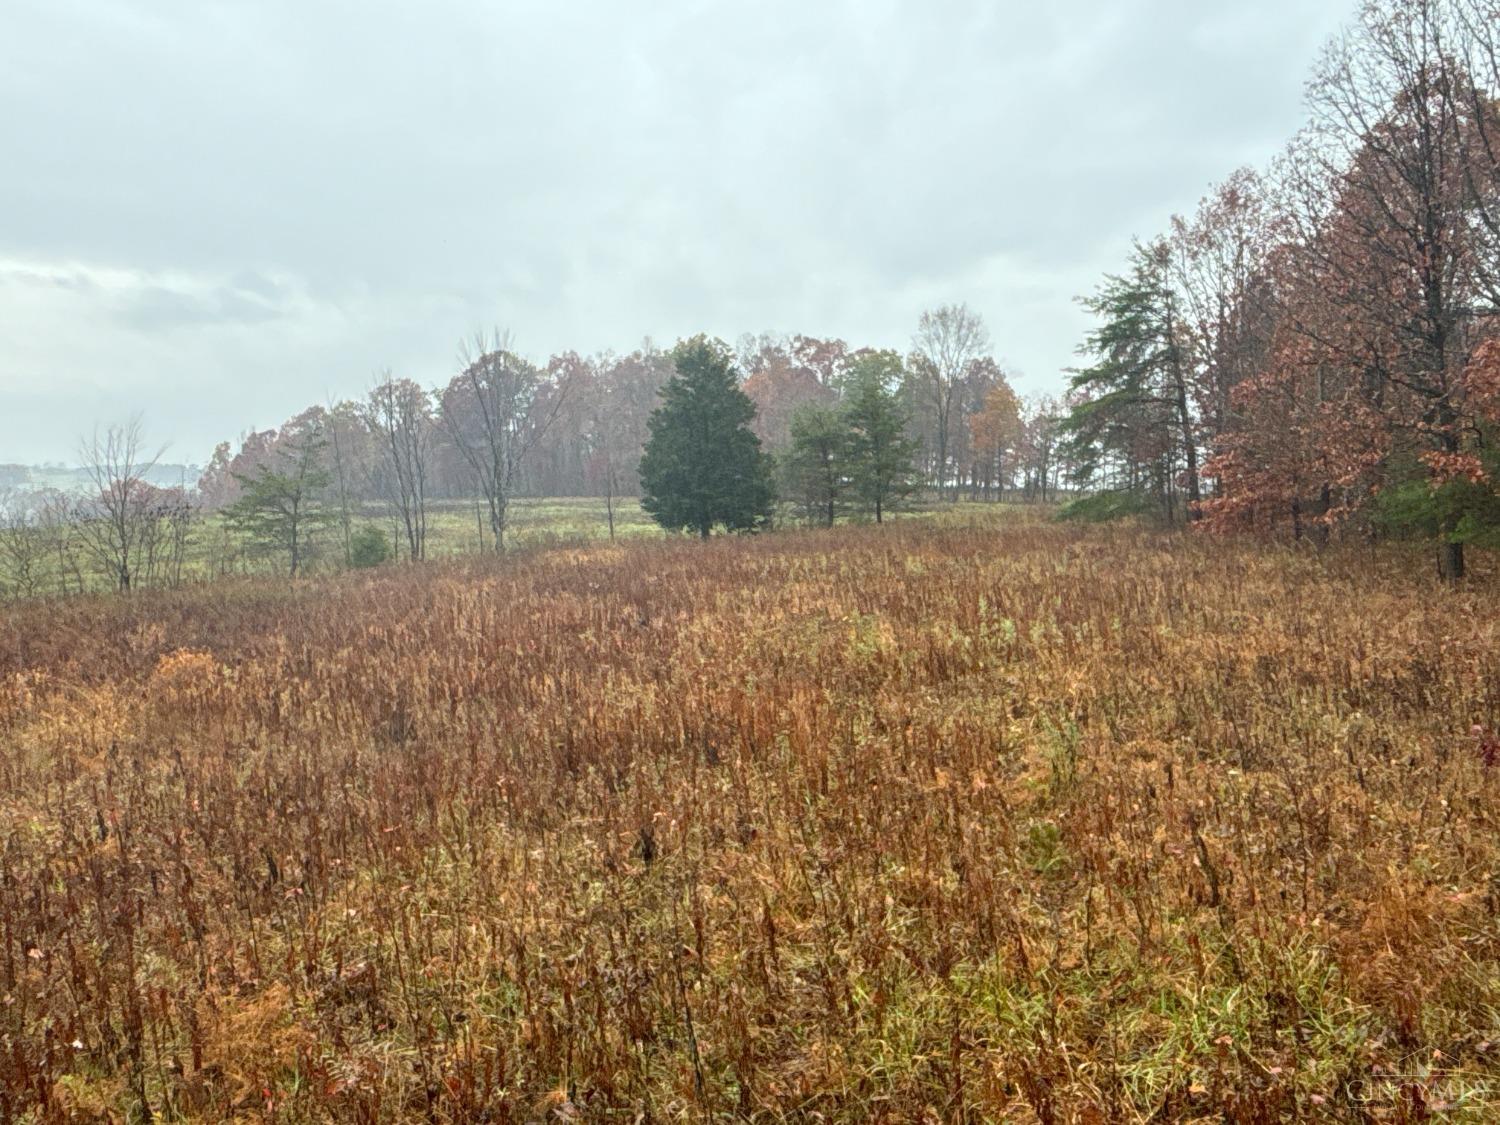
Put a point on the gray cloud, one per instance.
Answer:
(218, 213)
(247, 299)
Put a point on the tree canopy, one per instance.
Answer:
(702, 467)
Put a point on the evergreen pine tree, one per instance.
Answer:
(881, 456)
(1133, 407)
(279, 506)
(702, 467)
(815, 467)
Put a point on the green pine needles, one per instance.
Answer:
(702, 467)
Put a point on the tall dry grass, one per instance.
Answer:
(911, 823)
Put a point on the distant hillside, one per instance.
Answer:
(71, 478)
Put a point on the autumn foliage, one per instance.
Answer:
(1324, 332)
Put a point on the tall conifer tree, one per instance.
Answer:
(702, 467)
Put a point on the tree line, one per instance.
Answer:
(1314, 351)
(577, 426)
(827, 430)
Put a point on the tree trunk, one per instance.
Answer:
(942, 453)
(499, 505)
(1450, 561)
(609, 499)
(1189, 442)
(1449, 555)
(1325, 501)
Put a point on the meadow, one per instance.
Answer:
(213, 550)
(453, 530)
(59, 564)
(973, 819)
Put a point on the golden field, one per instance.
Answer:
(1004, 820)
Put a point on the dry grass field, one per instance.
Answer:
(1009, 821)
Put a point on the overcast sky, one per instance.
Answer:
(219, 213)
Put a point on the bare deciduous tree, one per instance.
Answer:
(604, 440)
(166, 525)
(1219, 268)
(1396, 202)
(399, 414)
(348, 444)
(58, 530)
(495, 411)
(1474, 50)
(948, 341)
(112, 522)
(23, 546)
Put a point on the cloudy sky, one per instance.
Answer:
(217, 213)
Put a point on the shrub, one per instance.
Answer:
(1102, 507)
(369, 546)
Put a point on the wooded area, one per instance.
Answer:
(845, 431)
(1316, 348)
